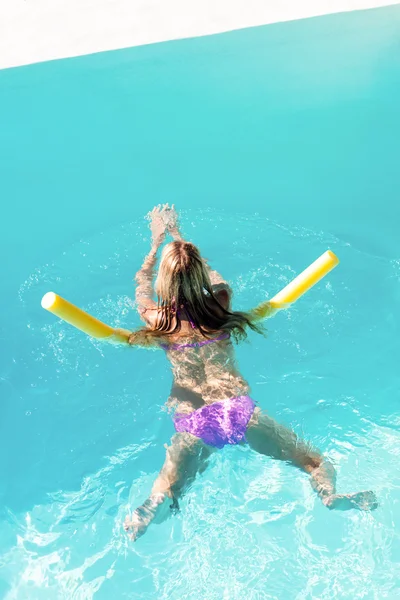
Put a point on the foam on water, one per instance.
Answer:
(93, 427)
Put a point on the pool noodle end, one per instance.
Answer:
(82, 320)
(299, 286)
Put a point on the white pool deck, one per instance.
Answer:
(38, 30)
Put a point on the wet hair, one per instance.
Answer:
(183, 286)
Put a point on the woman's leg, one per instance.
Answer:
(186, 456)
(266, 436)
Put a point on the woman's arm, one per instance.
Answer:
(145, 276)
(220, 287)
(265, 310)
(144, 282)
(140, 338)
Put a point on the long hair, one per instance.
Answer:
(183, 286)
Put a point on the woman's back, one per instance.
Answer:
(204, 370)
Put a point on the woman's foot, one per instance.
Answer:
(360, 501)
(135, 526)
(157, 507)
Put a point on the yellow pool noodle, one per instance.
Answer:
(97, 329)
(299, 286)
(82, 320)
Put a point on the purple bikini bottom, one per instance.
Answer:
(220, 423)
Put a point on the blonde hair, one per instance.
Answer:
(183, 285)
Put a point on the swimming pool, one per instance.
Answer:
(83, 425)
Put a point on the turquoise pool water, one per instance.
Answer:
(256, 135)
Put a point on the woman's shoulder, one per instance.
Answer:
(224, 297)
(149, 314)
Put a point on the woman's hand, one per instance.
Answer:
(163, 218)
(157, 224)
(172, 222)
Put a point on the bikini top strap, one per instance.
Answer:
(199, 344)
(189, 318)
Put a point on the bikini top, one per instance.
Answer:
(224, 336)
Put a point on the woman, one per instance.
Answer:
(195, 325)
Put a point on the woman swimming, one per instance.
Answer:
(194, 324)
